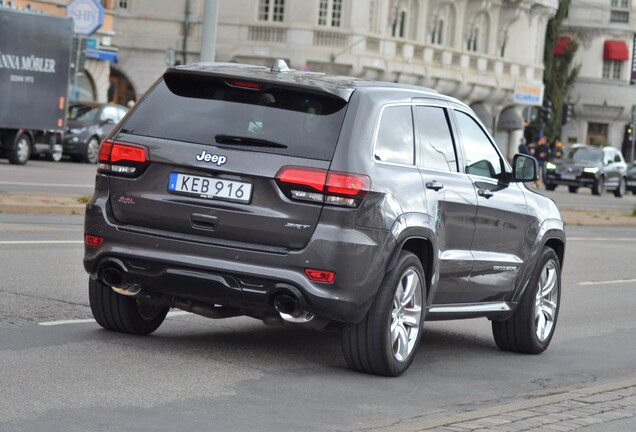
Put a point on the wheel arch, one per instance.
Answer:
(422, 248)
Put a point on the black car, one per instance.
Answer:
(631, 178)
(321, 201)
(585, 166)
(87, 124)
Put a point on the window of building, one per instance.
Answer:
(620, 11)
(612, 69)
(399, 24)
(437, 35)
(434, 139)
(123, 4)
(477, 34)
(271, 10)
(443, 26)
(394, 142)
(330, 13)
(372, 15)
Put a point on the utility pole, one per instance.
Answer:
(208, 36)
(631, 154)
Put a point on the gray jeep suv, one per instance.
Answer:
(319, 201)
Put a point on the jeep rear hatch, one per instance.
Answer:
(230, 160)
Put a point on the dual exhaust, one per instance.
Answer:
(286, 304)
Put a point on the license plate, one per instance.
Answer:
(211, 188)
(568, 176)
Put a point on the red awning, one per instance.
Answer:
(562, 45)
(615, 50)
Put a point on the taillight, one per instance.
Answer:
(93, 241)
(245, 85)
(323, 186)
(324, 276)
(122, 158)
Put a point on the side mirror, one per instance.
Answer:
(525, 168)
(107, 121)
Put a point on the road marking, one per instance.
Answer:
(83, 321)
(26, 242)
(601, 239)
(46, 184)
(617, 281)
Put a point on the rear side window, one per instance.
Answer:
(394, 142)
(435, 142)
(250, 116)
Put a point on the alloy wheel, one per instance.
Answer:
(546, 301)
(406, 315)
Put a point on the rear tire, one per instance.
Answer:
(573, 189)
(621, 189)
(55, 154)
(530, 329)
(22, 152)
(550, 187)
(385, 342)
(123, 314)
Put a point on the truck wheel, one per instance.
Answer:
(91, 152)
(385, 342)
(22, 151)
(123, 314)
(531, 327)
(573, 189)
(55, 154)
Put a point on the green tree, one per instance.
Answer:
(560, 72)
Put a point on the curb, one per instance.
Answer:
(423, 425)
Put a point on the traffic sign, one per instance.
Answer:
(88, 15)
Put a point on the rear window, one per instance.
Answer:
(239, 114)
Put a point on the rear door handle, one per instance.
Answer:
(435, 185)
(485, 193)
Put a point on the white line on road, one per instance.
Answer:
(46, 184)
(82, 321)
(617, 281)
(613, 239)
(26, 242)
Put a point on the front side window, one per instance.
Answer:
(435, 145)
(394, 142)
(481, 157)
(271, 10)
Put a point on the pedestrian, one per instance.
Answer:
(523, 147)
(542, 154)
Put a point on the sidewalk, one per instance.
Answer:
(607, 407)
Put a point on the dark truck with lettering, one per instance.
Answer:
(35, 51)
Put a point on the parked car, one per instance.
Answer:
(87, 124)
(631, 178)
(584, 166)
(306, 199)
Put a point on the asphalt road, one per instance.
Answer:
(240, 375)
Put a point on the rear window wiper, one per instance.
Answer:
(239, 140)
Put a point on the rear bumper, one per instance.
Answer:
(244, 278)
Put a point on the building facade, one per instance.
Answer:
(604, 94)
(475, 50)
